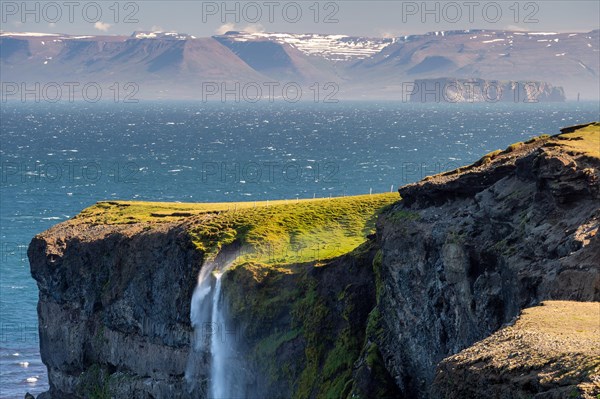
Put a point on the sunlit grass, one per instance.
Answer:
(288, 231)
(128, 212)
(269, 232)
(293, 232)
(585, 140)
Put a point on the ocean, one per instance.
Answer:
(60, 158)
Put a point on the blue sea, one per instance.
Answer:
(60, 158)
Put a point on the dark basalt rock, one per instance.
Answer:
(115, 301)
(457, 258)
(463, 253)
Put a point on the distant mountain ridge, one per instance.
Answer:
(331, 47)
(176, 65)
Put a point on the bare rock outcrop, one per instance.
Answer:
(465, 251)
(114, 308)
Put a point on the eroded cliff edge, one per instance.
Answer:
(115, 300)
(452, 262)
(465, 251)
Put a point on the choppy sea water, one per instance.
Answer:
(59, 158)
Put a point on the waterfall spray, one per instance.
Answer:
(218, 348)
(211, 336)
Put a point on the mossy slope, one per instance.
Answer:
(267, 232)
(305, 326)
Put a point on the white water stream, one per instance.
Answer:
(218, 347)
(212, 335)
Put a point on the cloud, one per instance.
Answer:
(251, 28)
(254, 28)
(516, 28)
(221, 30)
(157, 28)
(102, 26)
(391, 33)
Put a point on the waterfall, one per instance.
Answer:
(213, 336)
(218, 349)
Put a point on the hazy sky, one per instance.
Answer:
(365, 18)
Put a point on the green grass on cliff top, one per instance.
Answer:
(586, 140)
(284, 231)
(274, 232)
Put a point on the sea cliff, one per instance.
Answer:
(460, 90)
(357, 297)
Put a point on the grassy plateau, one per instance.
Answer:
(269, 232)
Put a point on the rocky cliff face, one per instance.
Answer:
(547, 354)
(305, 328)
(114, 309)
(456, 259)
(465, 251)
(452, 90)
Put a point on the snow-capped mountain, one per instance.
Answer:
(570, 60)
(178, 64)
(331, 47)
(161, 35)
